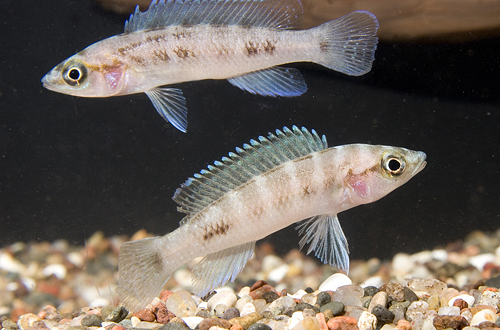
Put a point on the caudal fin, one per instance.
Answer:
(142, 272)
(349, 43)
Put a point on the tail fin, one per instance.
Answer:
(142, 272)
(349, 43)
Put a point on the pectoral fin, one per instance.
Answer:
(218, 268)
(327, 239)
(171, 105)
(276, 81)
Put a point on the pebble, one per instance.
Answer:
(463, 296)
(380, 298)
(482, 316)
(117, 314)
(181, 304)
(336, 307)
(334, 282)
(342, 323)
(259, 326)
(92, 321)
(367, 321)
(247, 320)
(223, 297)
(382, 314)
(394, 290)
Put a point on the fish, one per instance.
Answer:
(290, 176)
(243, 41)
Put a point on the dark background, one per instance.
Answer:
(71, 166)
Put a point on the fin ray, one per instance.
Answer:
(275, 81)
(218, 268)
(171, 105)
(253, 159)
(326, 238)
(279, 14)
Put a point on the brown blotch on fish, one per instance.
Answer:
(306, 190)
(269, 46)
(139, 60)
(128, 48)
(183, 52)
(216, 229)
(252, 48)
(156, 38)
(161, 55)
(182, 34)
(323, 46)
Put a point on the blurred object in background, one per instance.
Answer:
(403, 20)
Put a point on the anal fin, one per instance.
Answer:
(275, 81)
(171, 105)
(218, 268)
(327, 239)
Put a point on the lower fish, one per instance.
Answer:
(267, 185)
(243, 41)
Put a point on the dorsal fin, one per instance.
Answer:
(279, 14)
(254, 159)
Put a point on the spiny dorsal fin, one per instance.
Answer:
(252, 160)
(278, 14)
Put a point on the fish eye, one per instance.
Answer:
(393, 165)
(75, 73)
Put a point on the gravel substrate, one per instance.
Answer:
(50, 286)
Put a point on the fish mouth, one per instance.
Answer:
(48, 81)
(422, 156)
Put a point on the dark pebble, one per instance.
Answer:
(288, 312)
(259, 326)
(494, 282)
(301, 306)
(394, 290)
(335, 306)
(410, 295)
(383, 315)
(77, 327)
(267, 315)
(446, 321)
(117, 314)
(230, 313)
(487, 325)
(309, 290)
(173, 326)
(370, 291)
(498, 322)
(204, 313)
(323, 298)
(105, 311)
(92, 321)
(62, 316)
(367, 303)
(270, 296)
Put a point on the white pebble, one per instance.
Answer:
(483, 315)
(10, 264)
(76, 259)
(148, 325)
(247, 309)
(298, 295)
(334, 282)
(440, 255)
(402, 264)
(135, 321)
(375, 281)
(224, 297)
(388, 327)
(203, 305)
(58, 270)
(422, 257)
(279, 273)
(449, 310)
(367, 321)
(480, 260)
(183, 277)
(466, 297)
(192, 321)
(271, 262)
(99, 302)
(244, 291)
(309, 323)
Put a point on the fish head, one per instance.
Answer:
(375, 171)
(86, 76)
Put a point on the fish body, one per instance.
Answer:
(244, 41)
(263, 187)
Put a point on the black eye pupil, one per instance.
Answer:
(74, 74)
(394, 165)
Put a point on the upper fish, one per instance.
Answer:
(265, 186)
(243, 41)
